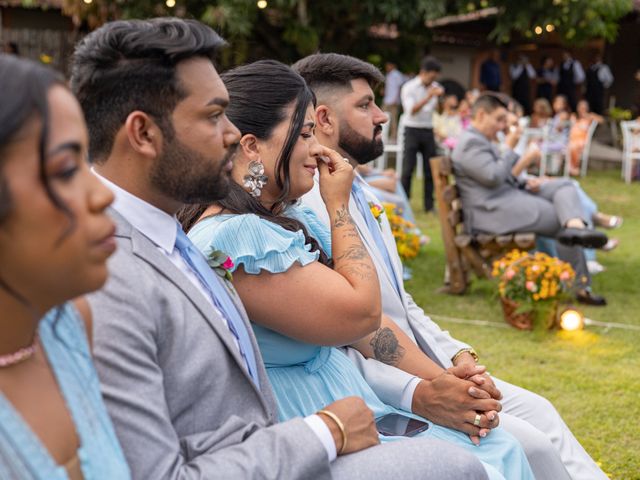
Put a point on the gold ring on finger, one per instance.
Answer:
(476, 421)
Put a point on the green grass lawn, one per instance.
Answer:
(591, 376)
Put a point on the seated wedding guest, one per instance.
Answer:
(180, 370)
(559, 125)
(340, 82)
(590, 210)
(495, 202)
(464, 110)
(447, 125)
(282, 262)
(581, 121)
(388, 188)
(53, 226)
(542, 113)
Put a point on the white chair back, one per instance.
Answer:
(631, 147)
(381, 162)
(396, 148)
(584, 161)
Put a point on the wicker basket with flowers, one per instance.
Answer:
(530, 287)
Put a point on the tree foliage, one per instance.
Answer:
(289, 29)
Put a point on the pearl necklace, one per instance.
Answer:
(20, 356)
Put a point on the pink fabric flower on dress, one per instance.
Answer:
(531, 286)
(228, 264)
(510, 274)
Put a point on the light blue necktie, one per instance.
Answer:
(374, 229)
(221, 299)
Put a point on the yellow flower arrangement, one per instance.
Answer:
(404, 232)
(533, 281)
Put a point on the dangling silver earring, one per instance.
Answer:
(256, 179)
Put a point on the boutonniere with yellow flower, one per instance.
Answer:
(377, 211)
(221, 263)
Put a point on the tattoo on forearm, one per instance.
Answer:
(353, 261)
(353, 252)
(386, 347)
(343, 217)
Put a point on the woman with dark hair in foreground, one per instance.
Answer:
(55, 239)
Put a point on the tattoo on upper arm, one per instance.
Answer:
(360, 269)
(386, 347)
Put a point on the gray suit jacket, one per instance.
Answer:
(389, 382)
(182, 403)
(491, 197)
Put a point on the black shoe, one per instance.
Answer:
(587, 297)
(583, 237)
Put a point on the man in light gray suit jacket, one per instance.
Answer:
(180, 369)
(496, 202)
(348, 120)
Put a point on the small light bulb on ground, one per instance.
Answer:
(550, 28)
(538, 30)
(262, 4)
(88, 1)
(571, 320)
(170, 3)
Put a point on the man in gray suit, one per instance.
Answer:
(348, 120)
(494, 201)
(180, 370)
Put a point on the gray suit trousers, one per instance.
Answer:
(412, 459)
(557, 202)
(553, 451)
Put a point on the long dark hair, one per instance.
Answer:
(259, 95)
(23, 94)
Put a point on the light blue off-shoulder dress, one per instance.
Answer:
(22, 454)
(307, 377)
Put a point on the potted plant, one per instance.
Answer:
(530, 287)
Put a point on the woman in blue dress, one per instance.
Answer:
(55, 238)
(302, 303)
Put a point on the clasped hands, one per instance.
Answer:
(454, 398)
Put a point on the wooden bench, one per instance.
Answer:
(465, 252)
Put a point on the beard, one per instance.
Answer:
(189, 177)
(359, 147)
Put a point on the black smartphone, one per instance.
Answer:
(396, 425)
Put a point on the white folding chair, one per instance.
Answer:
(630, 147)
(381, 162)
(398, 147)
(551, 161)
(584, 161)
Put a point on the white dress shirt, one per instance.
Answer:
(392, 84)
(516, 70)
(578, 71)
(161, 229)
(604, 74)
(413, 92)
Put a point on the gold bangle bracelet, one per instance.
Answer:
(340, 425)
(470, 351)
